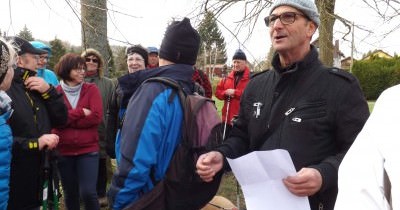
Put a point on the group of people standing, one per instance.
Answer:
(43, 118)
(312, 111)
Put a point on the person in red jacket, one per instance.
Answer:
(79, 140)
(231, 87)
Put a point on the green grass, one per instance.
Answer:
(371, 105)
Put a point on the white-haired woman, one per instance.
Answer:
(8, 58)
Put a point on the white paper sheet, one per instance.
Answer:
(260, 175)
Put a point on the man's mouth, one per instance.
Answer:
(279, 37)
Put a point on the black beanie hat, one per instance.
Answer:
(239, 55)
(181, 43)
(139, 49)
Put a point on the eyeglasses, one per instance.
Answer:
(36, 57)
(43, 57)
(286, 18)
(80, 70)
(94, 60)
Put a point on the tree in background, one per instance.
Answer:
(94, 29)
(212, 46)
(26, 34)
(326, 8)
(57, 50)
(121, 67)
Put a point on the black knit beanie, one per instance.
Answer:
(239, 55)
(181, 43)
(139, 49)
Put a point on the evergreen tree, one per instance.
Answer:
(26, 34)
(57, 50)
(212, 46)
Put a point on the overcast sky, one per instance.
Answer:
(144, 22)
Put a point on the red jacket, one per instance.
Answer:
(229, 83)
(79, 135)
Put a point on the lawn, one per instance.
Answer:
(371, 105)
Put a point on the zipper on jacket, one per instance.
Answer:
(34, 109)
(287, 113)
(308, 105)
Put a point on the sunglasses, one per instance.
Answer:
(94, 60)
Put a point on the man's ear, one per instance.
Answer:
(312, 28)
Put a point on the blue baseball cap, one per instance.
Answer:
(152, 50)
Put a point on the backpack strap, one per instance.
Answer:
(171, 83)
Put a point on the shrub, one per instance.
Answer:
(377, 74)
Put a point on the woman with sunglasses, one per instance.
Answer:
(94, 74)
(78, 146)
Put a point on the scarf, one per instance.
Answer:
(72, 93)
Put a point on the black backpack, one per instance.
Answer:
(182, 188)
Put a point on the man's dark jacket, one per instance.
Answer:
(34, 115)
(312, 111)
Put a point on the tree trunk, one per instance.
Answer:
(326, 9)
(94, 29)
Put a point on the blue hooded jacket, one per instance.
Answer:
(149, 135)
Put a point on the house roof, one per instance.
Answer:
(379, 53)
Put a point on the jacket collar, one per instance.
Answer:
(246, 74)
(310, 60)
(21, 74)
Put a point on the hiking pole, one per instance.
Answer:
(228, 101)
(46, 173)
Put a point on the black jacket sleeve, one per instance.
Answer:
(112, 123)
(58, 112)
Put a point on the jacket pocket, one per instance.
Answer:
(307, 112)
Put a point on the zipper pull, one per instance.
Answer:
(289, 111)
(296, 119)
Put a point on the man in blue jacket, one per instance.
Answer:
(152, 126)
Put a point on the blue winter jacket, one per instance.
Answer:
(5, 158)
(149, 135)
(49, 76)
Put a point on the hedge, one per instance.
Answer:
(377, 74)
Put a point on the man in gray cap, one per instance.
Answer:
(38, 108)
(312, 111)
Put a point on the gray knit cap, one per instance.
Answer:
(307, 7)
